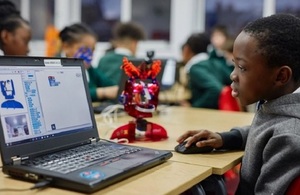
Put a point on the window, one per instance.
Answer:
(288, 6)
(101, 15)
(17, 3)
(41, 15)
(231, 13)
(154, 16)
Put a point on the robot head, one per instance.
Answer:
(140, 95)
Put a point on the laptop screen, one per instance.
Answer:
(37, 103)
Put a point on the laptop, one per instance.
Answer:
(48, 130)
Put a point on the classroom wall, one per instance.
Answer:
(187, 17)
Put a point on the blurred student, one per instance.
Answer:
(194, 50)
(15, 32)
(227, 50)
(206, 75)
(79, 41)
(125, 41)
(218, 38)
(266, 69)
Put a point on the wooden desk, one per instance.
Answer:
(178, 120)
(167, 178)
(178, 174)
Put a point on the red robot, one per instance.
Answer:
(140, 99)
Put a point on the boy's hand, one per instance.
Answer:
(86, 54)
(202, 138)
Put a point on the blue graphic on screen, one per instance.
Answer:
(8, 91)
(52, 81)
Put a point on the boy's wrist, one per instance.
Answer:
(231, 140)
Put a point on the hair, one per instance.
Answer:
(278, 38)
(8, 8)
(73, 33)
(128, 30)
(10, 18)
(198, 42)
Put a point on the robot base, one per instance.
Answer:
(140, 130)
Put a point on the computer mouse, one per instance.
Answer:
(192, 149)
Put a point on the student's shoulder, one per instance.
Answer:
(199, 67)
(209, 66)
(111, 55)
(202, 64)
(212, 63)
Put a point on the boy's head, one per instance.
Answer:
(267, 60)
(77, 36)
(218, 36)
(195, 44)
(127, 35)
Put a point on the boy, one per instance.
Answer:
(79, 41)
(206, 75)
(267, 69)
(125, 41)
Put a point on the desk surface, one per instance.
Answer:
(180, 172)
(177, 120)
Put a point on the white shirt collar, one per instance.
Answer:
(297, 90)
(194, 60)
(123, 51)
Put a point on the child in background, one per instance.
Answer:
(266, 69)
(15, 32)
(218, 37)
(79, 41)
(124, 44)
(206, 76)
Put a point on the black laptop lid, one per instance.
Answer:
(44, 106)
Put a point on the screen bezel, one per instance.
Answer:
(29, 149)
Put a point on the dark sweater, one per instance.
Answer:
(272, 147)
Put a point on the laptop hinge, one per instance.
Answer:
(93, 140)
(16, 160)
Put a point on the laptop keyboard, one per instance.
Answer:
(80, 157)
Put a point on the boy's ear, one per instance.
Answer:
(5, 37)
(284, 75)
